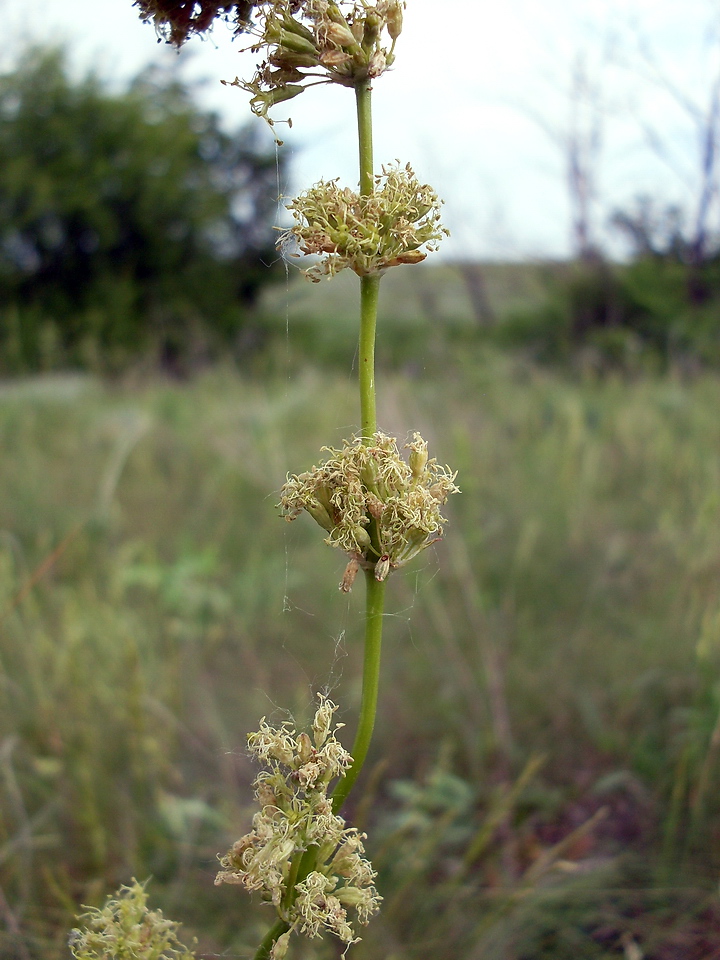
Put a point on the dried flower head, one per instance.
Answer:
(176, 20)
(377, 507)
(125, 927)
(367, 233)
(295, 815)
(318, 41)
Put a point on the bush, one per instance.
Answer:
(623, 315)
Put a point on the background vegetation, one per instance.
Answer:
(545, 776)
(131, 224)
(135, 230)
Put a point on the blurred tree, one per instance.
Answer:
(128, 221)
(580, 140)
(698, 243)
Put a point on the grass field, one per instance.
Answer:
(544, 780)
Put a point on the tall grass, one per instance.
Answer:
(557, 657)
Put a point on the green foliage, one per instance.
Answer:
(658, 310)
(598, 316)
(574, 615)
(129, 221)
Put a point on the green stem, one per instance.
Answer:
(375, 596)
(276, 930)
(369, 289)
(363, 99)
(371, 681)
(292, 880)
(369, 286)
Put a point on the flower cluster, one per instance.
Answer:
(176, 20)
(326, 41)
(377, 507)
(369, 233)
(295, 816)
(125, 927)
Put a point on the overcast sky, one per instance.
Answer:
(478, 101)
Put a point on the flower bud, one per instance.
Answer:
(348, 579)
(370, 473)
(280, 750)
(280, 947)
(284, 75)
(291, 41)
(408, 256)
(377, 65)
(295, 26)
(352, 896)
(309, 774)
(382, 568)
(304, 748)
(362, 538)
(265, 796)
(373, 25)
(418, 456)
(276, 851)
(320, 515)
(261, 102)
(394, 20)
(375, 506)
(240, 846)
(340, 34)
(322, 721)
(291, 59)
(334, 58)
(273, 31)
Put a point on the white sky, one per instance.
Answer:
(475, 89)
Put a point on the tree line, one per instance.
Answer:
(131, 223)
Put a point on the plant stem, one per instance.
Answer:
(363, 100)
(375, 597)
(369, 289)
(371, 680)
(374, 605)
(293, 879)
(369, 286)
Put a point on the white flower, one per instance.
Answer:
(124, 927)
(366, 485)
(296, 815)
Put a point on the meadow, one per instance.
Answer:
(544, 777)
